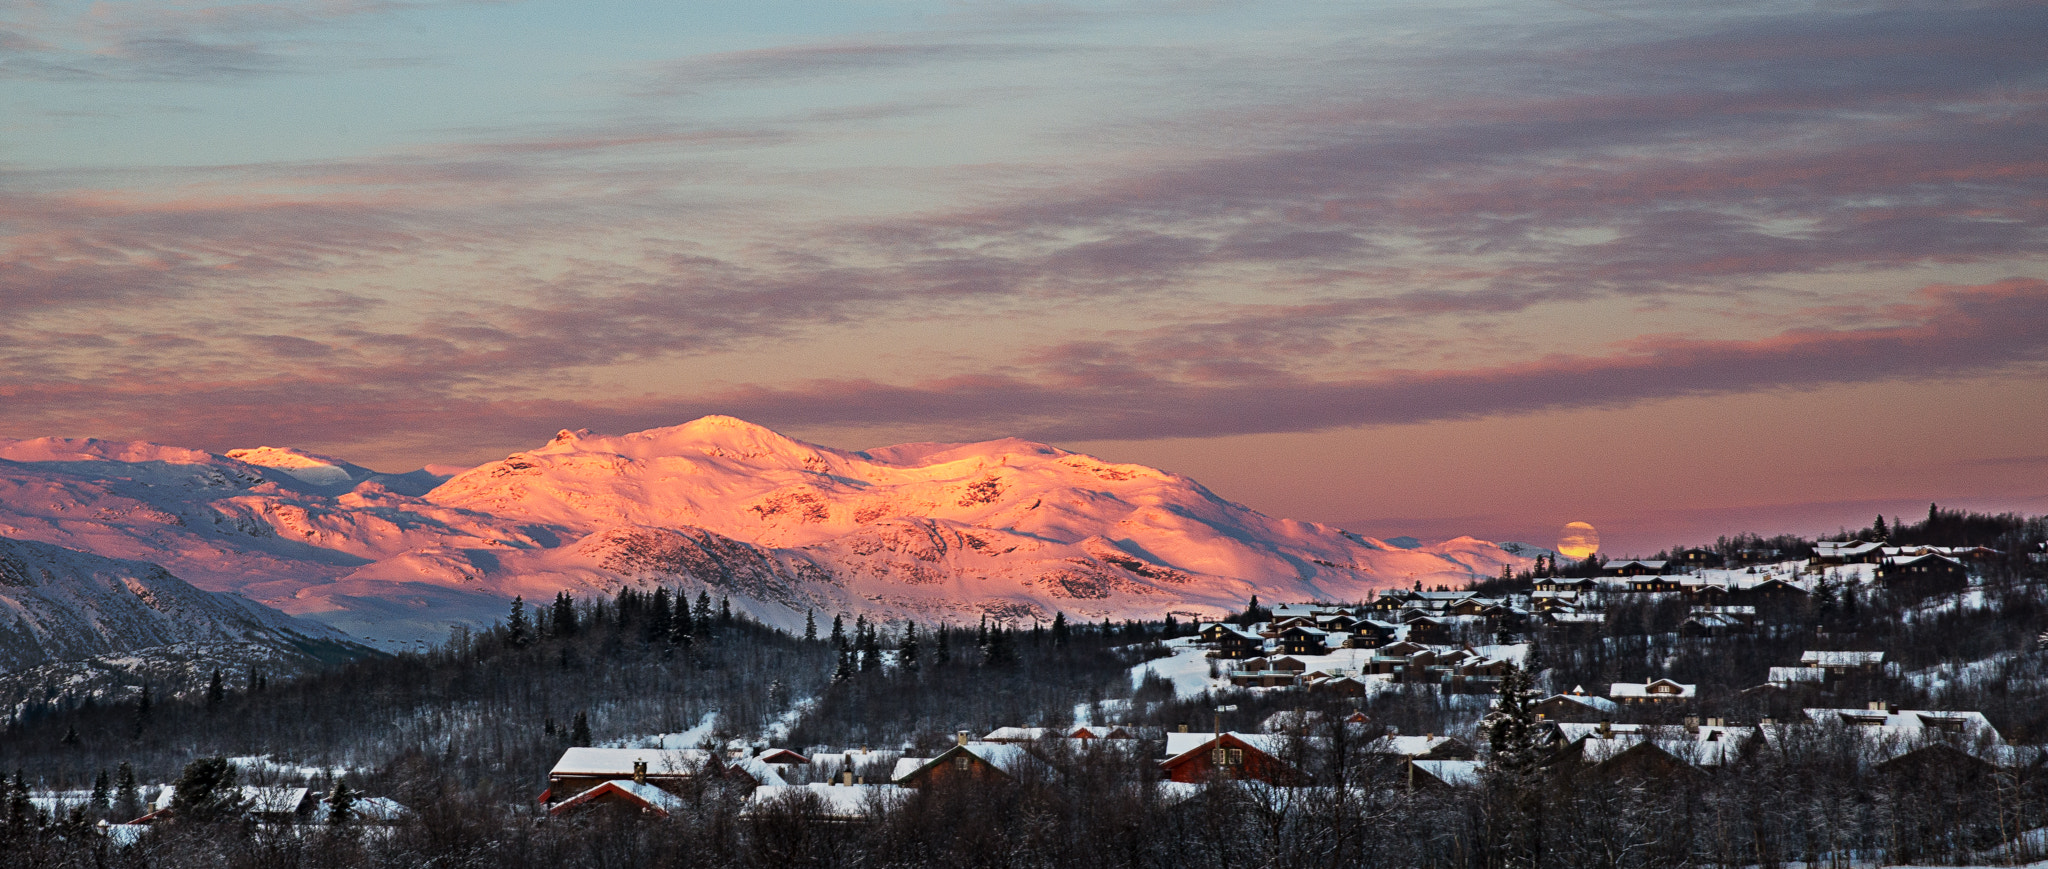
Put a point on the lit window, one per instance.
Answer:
(1236, 756)
(963, 762)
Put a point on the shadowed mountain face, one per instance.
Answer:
(1007, 528)
(58, 604)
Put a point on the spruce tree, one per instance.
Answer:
(127, 799)
(942, 651)
(906, 653)
(1878, 530)
(102, 803)
(703, 613)
(839, 632)
(142, 712)
(564, 621)
(21, 811)
(206, 792)
(810, 626)
(870, 652)
(341, 805)
(216, 691)
(579, 731)
(658, 617)
(515, 624)
(724, 610)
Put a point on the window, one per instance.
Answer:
(1219, 757)
(963, 763)
(1236, 756)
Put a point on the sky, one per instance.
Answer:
(1431, 268)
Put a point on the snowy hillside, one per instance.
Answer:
(57, 604)
(1008, 528)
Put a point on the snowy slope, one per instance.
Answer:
(59, 604)
(1008, 528)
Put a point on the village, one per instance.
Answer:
(1309, 674)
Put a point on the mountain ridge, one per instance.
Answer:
(1006, 528)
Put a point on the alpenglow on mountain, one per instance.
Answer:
(1009, 529)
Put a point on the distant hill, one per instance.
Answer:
(1010, 529)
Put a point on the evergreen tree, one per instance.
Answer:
(942, 650)
(1513, 795)
(703, 614)
(724, 610)
(579, 731)
(564, 621)
(1172, 628)
(102, 803)
(21, 811)
(658, 619)
(810, 626)
(906, 653)
(341, 805)
(839, 632)
(997, 652)
(1877, 529)
(127, 799)
(142, 712)
(870, 651)
(682, 626)
(515, 624)
(206, 792)
(216, 691)
(844, 670)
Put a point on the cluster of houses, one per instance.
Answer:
(1573, 727)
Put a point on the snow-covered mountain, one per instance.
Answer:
(1006, 528)
(59, 604)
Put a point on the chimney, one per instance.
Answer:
(639, 772)
(846, 778)
(1606, 729)
(1183, 728)
(960, 737)
(1892, 709)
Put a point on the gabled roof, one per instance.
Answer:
(1630, 690)
(835, 801)
(648, 797)
(1006, 758)
(1181, 745)
(781, 755)
(1703, 746)
(1016, 734)
(1417, 746)
(1454, 773)
(1908, 722)
(619, 761)
(1597, 704)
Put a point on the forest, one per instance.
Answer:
(463, 736)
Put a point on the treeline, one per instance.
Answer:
(496, 704)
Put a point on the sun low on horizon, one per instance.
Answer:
(1578, 540)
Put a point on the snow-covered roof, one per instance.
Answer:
(619, 761)
(845, 802)
(1456, 773)
(1713, 745)
(1658, 688)
(1905, 560)
(1180, 744)
(905, 766)
(661, 801)
(1005, 756)
(1841, 659)
(1598, 704)
(1016, 734)
(1416, 746)
(1908, 722)
(764, 773)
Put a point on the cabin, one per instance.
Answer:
(1923, 574)
(1698, 559)
(1424, 629)
(623, 794)
(1303, 640)
(1655, 691)
(1238, 644)
(835, 802)
(1846, 552)
(1634, 567)
(1201, 757)
(1575, 705)
(1839, 664)
(1369, 634)
(965, 762)
(582, 769)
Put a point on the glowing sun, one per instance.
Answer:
(1578, 540)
